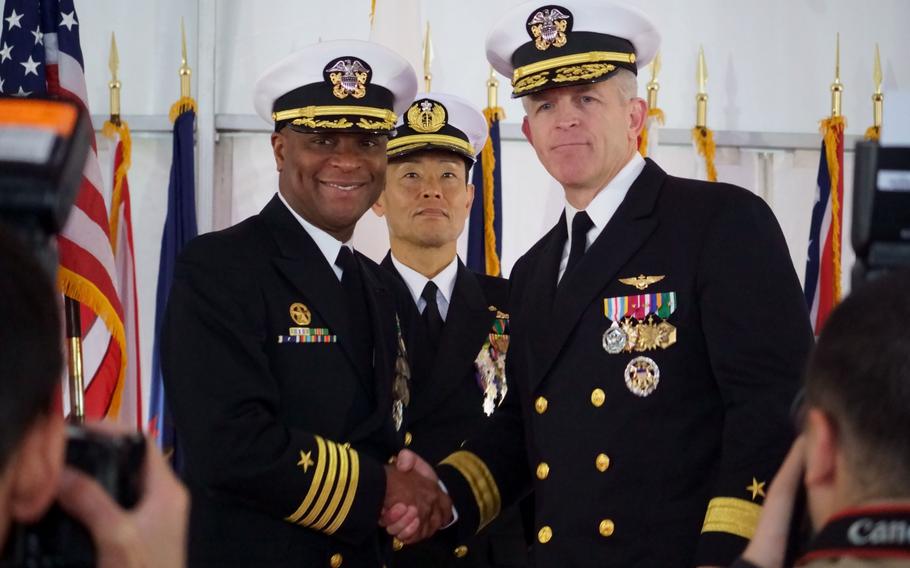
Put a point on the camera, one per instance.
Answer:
(881, 210)
(59, 541)
(43, 147)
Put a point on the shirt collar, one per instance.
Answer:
(416, 281)
(607, 200)
(327, 244)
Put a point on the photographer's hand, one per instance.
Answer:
(768, 547)
(151, 535)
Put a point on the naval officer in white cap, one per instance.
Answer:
(284, 350)
(658, 329)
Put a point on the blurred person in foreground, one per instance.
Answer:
(32, 436)
(854, 454)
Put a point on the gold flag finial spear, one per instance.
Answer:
(185, 71)
(427, 59)
(492, 90)
(837, 88)
(113, 64)
(877, 97)
(653, 85)
(701, 99)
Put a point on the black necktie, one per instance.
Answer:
(431, 317)
(358, 311)
(581, 224)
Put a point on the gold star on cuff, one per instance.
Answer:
(757, 489)
(306, 460)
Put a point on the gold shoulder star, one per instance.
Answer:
(306, 460)
(757, 489)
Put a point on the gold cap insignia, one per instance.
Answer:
(641, 281)
(349, 77)
(548, 26)
(426, 116)
(300, 314)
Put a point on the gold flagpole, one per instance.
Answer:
(837, 88)
(427, 59)
(701, 99)
(185, 71)
(653, 85)
(113, 63)
(878, 99)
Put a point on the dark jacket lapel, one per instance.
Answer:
(385, 348)
(468, 323)
(303, 264)
(624, 234)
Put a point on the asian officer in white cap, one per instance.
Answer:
(464, 315)
(284, 351)
(658, 330)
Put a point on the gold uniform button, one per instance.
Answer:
(602, 462)
(461, 551)
(397, 544)
(544, 535)
(407, 438)
(598, 397)
(540, 405)
(336, 560)
(543, 470)
(606, 527)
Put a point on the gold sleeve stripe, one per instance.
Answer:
(326, 487)
(349, 497)
(314, 484)
(329, 512)
(482, 484)
(731, 515)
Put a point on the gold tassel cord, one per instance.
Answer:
(833, 131)
(85, 292)
(182, 105)
(873, 133)
(653, 113)
(109, 130)
(488, 160)
(704, 143)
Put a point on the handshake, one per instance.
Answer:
(415, 505)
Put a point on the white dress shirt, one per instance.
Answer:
(445, 285)
(328, 245)
(603, 206)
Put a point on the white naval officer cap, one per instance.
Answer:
(438, 121)
(336, 86)
(545, 46)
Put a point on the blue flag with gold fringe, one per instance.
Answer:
(179, 228)
(485, 227)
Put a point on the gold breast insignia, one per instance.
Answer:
(641, 281)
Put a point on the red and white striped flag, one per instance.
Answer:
(41, 56)
(121, 227)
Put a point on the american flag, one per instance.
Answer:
(40, 56)
(822, 282)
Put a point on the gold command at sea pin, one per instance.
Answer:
(401, 390)
(639, 323)
(490, 364)
(642, 376)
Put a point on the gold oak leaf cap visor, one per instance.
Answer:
(336, 86)
(438, 121)
(546, 46)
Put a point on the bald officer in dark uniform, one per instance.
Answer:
(284, 350)
(658, 330)
(464, 315)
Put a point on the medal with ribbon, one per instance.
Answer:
(490, 363)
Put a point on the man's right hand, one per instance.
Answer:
(415, 506)
(151, 535)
